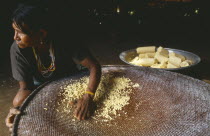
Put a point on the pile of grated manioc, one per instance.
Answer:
(112, 95)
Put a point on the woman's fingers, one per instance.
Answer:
(10, 129)
(82, 112)
(10, 117)
(8, 124)
(14, 111)
(77, 110)
(84, 107)
(72, 103)
(9, 120)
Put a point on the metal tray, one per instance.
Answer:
(127, 56)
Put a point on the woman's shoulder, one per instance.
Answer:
(14, 48)
(17, 52)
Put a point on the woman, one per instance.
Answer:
(38, 56)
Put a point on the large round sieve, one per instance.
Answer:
(165, 103)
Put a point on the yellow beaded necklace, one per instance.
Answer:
(46, 72)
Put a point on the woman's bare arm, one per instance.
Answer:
(85, 104)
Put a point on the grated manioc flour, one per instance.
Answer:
(112, 95)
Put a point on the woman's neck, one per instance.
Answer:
(43, 48)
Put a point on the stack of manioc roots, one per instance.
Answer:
(161, 58)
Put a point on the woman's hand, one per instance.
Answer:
(85, 107)
(10, 118)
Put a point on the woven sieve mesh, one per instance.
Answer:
(166, 103)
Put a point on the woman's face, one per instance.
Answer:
(24, 40)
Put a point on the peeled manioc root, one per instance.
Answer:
(161, 58)
(147, 55)
(169, 65)
(177, 55)
(148, 49)
(175, 61)
(163, 51)
(146, 62)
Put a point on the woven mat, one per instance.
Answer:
(166, 103)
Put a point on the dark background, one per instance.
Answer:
(152, 20)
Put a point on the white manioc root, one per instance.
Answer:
(162, 58)
(147, 49)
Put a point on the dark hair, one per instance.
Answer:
(35, 17)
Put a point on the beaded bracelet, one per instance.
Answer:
(89, 92)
